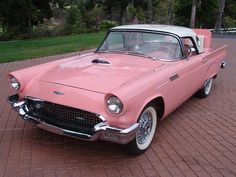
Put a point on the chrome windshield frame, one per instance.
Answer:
(151, 32)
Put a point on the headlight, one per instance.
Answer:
(15, 84)
(114, 105)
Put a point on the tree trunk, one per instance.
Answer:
(219, 17)
(123, 16)
(193, 14)
(149, 20)
(29, 27)
(123, 9)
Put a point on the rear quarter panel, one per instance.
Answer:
(214, 59)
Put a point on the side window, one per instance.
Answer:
(189, 48)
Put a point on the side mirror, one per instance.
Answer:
(191, 50)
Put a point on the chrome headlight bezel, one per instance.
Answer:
(15, 84)
(114, 105)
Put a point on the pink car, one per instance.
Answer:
(137, 76)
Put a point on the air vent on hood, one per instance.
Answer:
(100, 61)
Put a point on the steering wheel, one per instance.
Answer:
(136, 48)
(168, 51)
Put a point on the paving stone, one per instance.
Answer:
(197, 139)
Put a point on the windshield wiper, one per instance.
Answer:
(110, 51)
(101, 51)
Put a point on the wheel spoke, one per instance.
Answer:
(145, 127)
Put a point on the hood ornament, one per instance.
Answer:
(58, 93)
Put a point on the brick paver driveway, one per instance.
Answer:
(198, 139)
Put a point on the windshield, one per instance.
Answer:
(153, 45)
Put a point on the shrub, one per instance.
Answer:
(5, 36)
(229, 22)
(14, 33)
(48, 30)
(93, 19)
(74, 22)
(107, 24)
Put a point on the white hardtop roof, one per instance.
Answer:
(178, 30)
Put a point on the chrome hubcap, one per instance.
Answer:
(145, 127)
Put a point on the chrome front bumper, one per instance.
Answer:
(103, 131)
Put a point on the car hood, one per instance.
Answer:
(99, 72)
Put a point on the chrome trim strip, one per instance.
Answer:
(130, 129)
(34, 99)
(61, 131)
(102, 118)
(104, 127)
(18, 104)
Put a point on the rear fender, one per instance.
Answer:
(215, 58)
(207, 36)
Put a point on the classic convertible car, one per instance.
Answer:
(137, 76)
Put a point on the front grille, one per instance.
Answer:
(63, 116)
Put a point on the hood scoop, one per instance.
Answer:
(100, 61)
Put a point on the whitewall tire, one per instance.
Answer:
(206, 89)
(143, 139)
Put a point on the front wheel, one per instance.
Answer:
(206, 89)
(147, 122)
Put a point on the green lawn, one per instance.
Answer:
(33, 48)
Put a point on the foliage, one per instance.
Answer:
(164, 11)
(118, 6)
(207, 8)
(135, 15)
(107, 24)
(93, 19)
(229, 22)
(32, 48)
(18, 16)
(183, 11)
(33, 18)
(230, 13)
(206, 14)
(74, 21)
(48, 30)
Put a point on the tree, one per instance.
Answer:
(93, 19)
(229, 17)
(149, 13)
(113, 7)
(219, 18)
(74, 20)
(193, 14)
(195, 4)
(19, 16)
(204, 16)
(163, 12)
